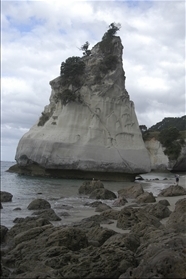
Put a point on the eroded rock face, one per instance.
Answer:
(97, 136)
(160, 161)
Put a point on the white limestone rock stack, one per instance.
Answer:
(97, 135)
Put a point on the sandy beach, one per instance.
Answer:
(89, 211)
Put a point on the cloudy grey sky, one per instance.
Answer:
(38, 35)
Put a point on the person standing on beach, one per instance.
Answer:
(177, 179)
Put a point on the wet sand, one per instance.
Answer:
(88, 211)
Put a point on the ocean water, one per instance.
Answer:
(61, 193)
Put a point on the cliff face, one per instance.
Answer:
(96, 135)
(160, 161)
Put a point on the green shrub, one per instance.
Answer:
(43, 119)
(173, 150)
(71, 70)
(113, 28)
(84, 48)
(169, 139)
(106, 45)
(67, 96)
(167, 136)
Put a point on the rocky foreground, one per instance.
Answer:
(152, 243)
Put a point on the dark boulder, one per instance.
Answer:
(17, 208)
(164, 202)
(158, 210)
(145, 198)
(102, 194)
(110, 214)
(88, 187)
(102, 207)
(93, 204)
(121, 201)
(48, 214)
(173, 190)
(25, 224)
(72, 238)
(177, 219)
(128, 217)
(99, 234)
(3, 232)
(162, 257)
(39, 204)
(131, 191)
(18, 220)
(5, 196)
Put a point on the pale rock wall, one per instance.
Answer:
(159, 161)
(100, 134)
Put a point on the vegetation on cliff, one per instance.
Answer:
(110, 60)
(171, 132)
(84, 48)
(167, 122)
(72, 70)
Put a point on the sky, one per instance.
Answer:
(37, 36)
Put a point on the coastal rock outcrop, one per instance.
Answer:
(34, 248)
(160, 161)
(96, 134)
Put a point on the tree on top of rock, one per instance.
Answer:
(85, 49)
(113, 28)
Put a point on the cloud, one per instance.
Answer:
(38, 35)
